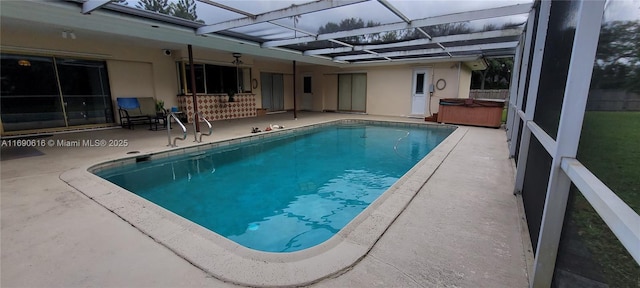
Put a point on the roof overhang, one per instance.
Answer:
(479, 64)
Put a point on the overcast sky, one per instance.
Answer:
(622, 10)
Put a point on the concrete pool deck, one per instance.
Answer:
(462, 229)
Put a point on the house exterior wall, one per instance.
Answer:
(324, 86)
(278, 67)
(120, 56)
(388, 87)
(389, 91)
(137, 69)
(122, 84)
(454, 80)
(464, 88)
(155, 73)
(330, 92)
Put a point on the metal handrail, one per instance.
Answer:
(197, 118)
(184, 129)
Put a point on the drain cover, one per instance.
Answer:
(133, 152)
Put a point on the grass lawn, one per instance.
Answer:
(609, 147)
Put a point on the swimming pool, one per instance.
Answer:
(285, 193)
(228, 261)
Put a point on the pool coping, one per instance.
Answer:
(234, 263)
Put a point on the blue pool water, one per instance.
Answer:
(287, 193)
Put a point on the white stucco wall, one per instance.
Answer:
(388, 87)
(147, 71)
(136, 69)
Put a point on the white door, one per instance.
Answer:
(419, 103)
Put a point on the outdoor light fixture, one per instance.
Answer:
(237, 56)
(24, 63)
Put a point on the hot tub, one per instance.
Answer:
(487, 113)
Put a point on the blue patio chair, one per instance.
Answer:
(130, 112)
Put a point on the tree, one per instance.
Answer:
(496, 76)
(185, 9)
(455, 28)
(617, 64)
(350, 24)
(160, 6)
(448, 29)
(390, 36)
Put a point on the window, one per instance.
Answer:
(306, 87)
(30, 97)
(214, 79)
(420, 83)
(46, 92)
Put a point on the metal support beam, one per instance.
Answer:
(424, 33)
(295, 105)
(439, 39)
(91, 5)
(532, 93)
(293, 28)
(293, 10)
(417, 60)
(407, 20)
(394, 10)
(621, 219)
(341, 43)
(192, 72)
(449, 18)
(548, 143)
(445, 49)
(524, 67)
(330, 50)
(228, 8)
(513, 92)
(473, 15)
(576, 91)
(480, 47)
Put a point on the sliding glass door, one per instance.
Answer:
(45, 92)
(85, 91)
(352, 92)
(272, 91)
(29, 95)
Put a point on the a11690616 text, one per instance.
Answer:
(65, 143)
